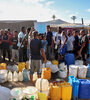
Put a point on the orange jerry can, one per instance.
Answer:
(55, 62)
(55, 92)
(3, 66)
(66, 91)
(46, 73)
(21, 66)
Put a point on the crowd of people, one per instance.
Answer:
(29, 44)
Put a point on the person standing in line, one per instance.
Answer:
(15, 47)
(1, 35)
(44, 43)
(76, 43)
(84, 46)
(56, 42)
(89, 43)
(36, 50)
(5, 41)
(10, 40)
(70, 42)
(20, 44)
(49, 38)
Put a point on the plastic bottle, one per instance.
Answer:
(9, 76)
(20, 76)
(15, 76)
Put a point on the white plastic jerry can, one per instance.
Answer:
(9, 77)
(15, 76)
(20, 76)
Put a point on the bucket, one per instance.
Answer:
(30, 92)
(16, 94)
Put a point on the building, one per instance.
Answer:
(16, 24)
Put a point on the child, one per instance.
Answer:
(44, 42)
(15, 47)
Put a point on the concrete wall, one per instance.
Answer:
(16, 25)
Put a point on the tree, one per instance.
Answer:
(54, 17)
(73, 18)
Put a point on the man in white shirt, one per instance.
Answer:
(20, 45)
(70, 42)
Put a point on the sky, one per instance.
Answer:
(42, 10)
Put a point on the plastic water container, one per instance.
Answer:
(26, 77)
(84, 89)
(62, 50)
(82, 71)
(75, 87)
(66, 91)
(79, 62)
(69, 59)
(30, 92)
(55, 92)
(88, 71)
(21, 66)
(15, 76)
(9, 76)
(55, 62)
(62, 74)
(73, 70)
(3, 76)
(4, 93)
(16, 94)
(3, 66)
(20, 76)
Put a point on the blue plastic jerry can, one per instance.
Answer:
(25, 75)
(88, 70)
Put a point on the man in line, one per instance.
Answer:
(5, 41)
(36, 50)
(15, 47)
(56, 42)
(49, 38)
(70, 42)
(84, 46)
(20, 45)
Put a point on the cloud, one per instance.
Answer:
(49, 3)
(26, 10)
(87, 22)
(74, 14)
(67, 11)
(88, 10)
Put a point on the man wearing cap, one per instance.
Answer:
(36, 50)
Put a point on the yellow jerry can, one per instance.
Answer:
(55, 62)
(46, 73)
(66, 91)
(3, 66)
(21, 66)
(55, 92)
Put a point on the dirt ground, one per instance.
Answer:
(12, 85)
